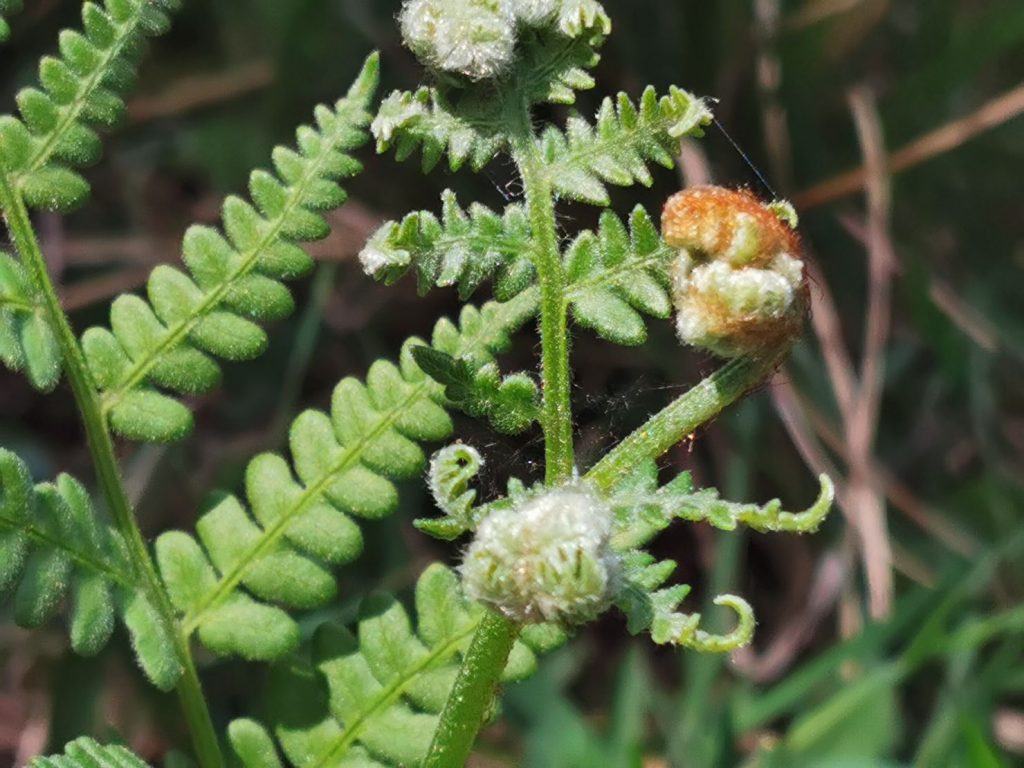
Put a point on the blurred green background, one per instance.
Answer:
(894, 636)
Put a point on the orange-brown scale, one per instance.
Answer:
(704, 220)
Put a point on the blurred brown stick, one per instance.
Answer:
(200, 91)
(864, 494)
(950, 136)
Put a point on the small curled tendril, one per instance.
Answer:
(683, 629)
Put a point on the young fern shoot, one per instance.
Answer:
(561, 552)
(539, 561)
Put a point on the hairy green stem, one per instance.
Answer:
(692, 409)
(486, 657)
(101, 447)
(556, 416)
(472, 693)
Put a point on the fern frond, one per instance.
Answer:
(469, 121)
(649, 608)
(463, 126)
(510, 403)
(556, 57)
(617, 276)
(643, 510)
(343, 463)
(80, 91)
(7, 8)
(51, 544)
(168, 342)
(463, 248)
(27, 340)
(88, 753)
(619, 147)
(386, 684)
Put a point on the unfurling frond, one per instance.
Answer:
(169, 342)
(7, 8)
(625, 139)
(548, 559)
(385, 684)
(462, 115)
(739, 283)
(463, 248)
(649, 608)
(87, 753)
(464, 126)
(673, 503)
(618, 276)
(27, 340)
(343, 463)
(451, 470)
(558, 52)
(53, 547)
(642, 509)
(80, 90)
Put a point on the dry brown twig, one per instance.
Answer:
(864, 495)
(993, 113)
(200, 91)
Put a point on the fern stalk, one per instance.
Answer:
(554, 333)
(689, 411)
(101, 447)
(486, 657)
(473, 692)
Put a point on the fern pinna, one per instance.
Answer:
(342, 464)
(541, 559)
(55, 135)
(168, 341)
(7, 8)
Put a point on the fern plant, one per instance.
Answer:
(397, 689)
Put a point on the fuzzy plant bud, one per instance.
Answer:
(535, 12)
(548, 559)
(738, 281)
(474, 38)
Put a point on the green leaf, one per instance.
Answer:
(234, 279)
(40, 350)
(253, 746)
(151, 417)
(625, 139)
(641, 512)
(154, 648)
(53, 546)
(87, 753)
(7, 8)
(555, 59)
(27, 341)
(299, 525)
(470, 129)
(511, 403)
(649, 608)
(80, 90)
(617, 276)
(386, 683)
(463, 248)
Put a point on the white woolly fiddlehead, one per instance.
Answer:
(548, 559)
